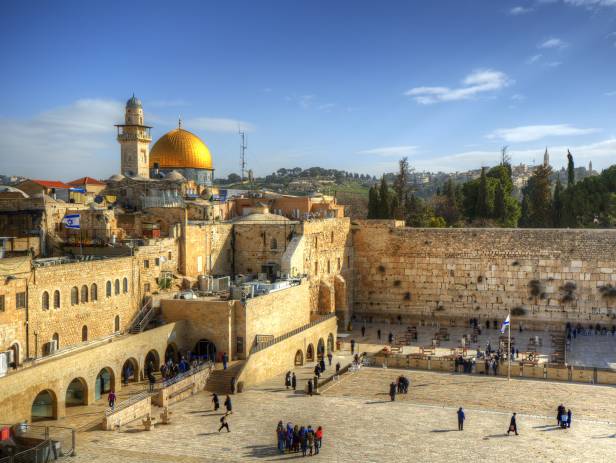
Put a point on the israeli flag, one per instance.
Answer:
(505, 324)
(71, 221)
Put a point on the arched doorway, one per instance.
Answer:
(310, 353)
(330, 343)
(152, 362)
(171, 353)
(299, 358)
(105, 382)
(15, 360)
(130, 371)
(45, 406)
(321, 349)
(205, 349)
(77, 393)
(84, 333)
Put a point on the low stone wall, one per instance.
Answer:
(125, 414)
(182, 389)
(550, 372)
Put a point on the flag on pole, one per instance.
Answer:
(505, 324)
(71, 221)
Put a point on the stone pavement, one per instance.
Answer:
(362, 425)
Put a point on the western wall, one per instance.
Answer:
(543, 275)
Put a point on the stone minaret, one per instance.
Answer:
(134, 139)
(546, 158)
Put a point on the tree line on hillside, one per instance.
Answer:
(489, 201)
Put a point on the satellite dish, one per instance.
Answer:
(98, 199)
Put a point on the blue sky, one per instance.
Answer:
(352, 85)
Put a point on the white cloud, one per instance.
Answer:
(613, 93)
(519, 10)
(63, 143)
(304, 101)
(326, 107)
(534, 58)
(218, 124)
(477, 82)
(536, 132)
(591, 3)
(518, 97)
(554, 64)
(386, 151)
(553, 42)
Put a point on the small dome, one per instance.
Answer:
(180, 149)
(133, 102)
(265, 218)
(116, 178)
(175, 176)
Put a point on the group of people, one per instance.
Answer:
(224, 424)
(296, 438)
(573, 332)
(171, 369)
(563, 417)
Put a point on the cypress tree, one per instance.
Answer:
(557, 205)
(500, 210)
(384, 211)
(570, 170)
(539, 192)
(482, 209)
(373, 203)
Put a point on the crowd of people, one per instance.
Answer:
(292, 439)
(400, 386)
(563, 417)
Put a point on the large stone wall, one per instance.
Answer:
(207, 249)
(554, 275)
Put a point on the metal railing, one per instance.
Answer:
(56, 441)
(143, 317)
(128, 402)
(260, 346)
(187, 374)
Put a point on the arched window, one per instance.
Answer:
(56, 299)
(108, 289)
(125, 285)
(74, 295)
(274, 244)
(93, 292)
(45, 300)
(117, 287)
(332, 236)
(56, 337)
(116, 323)
(84, 333)
(84, 294)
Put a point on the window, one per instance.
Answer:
(316, 267)
(56, 337)
(84, 333)
(170, 255)
(157, 261)
(274, 244)
(108, 289)
(84, 294)
(332, 236)
(74, 295)
(2, 303)
(146, 288)
(338, 263)
(146, 263)
(117, 287)
(56, 299)
(328, 267)
(21, 301)
(125, 285)
(45, 300)
(93, 292)
(116, 323)
(348, 261)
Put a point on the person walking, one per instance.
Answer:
(318, 440)
(223, 423)
(287, 380)
(310, 439)
(329, 358)
(310, 387)
(280, 436)
(293, 381)
(513, 425)
(322, 365)
(560, 411)
(225, 360)
(391, 337)
(392, 391)
(569, 414)
(228, 405)
(289, 441)
(215, 401)
(363, 331)
(337, 370)
(151, 381)
(303, 439)
(233, 385)
(352, 346)
(111, 398)
(461, 418)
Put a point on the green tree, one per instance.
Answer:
(401, 188)
(384, 200)
(538, 193)
(483, 207)
(373, 203)
(557, 205)
(570, 170)
(499, 203)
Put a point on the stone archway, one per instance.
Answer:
(310, 353)
(152, 362)
(76, 393)
(299, 358)
(320, 349)
(45, 406)
(205, 350)
(16, 351)
(130, 371)
(171, 353)
(105, 382)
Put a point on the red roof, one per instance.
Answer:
(50, 183)
(85, 181)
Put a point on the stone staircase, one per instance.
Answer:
(219, 380)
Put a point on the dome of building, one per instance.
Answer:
(116, 178)
(264, 218)
(174, 175)
(180, 149)
(133, 102)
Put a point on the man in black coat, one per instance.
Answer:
(513, 425)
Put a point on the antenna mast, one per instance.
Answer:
(243, 147)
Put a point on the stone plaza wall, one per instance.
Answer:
(132, 412)
(207, 249)
(550, 275)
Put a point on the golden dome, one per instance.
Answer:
(180, 149)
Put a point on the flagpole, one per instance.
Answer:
(509, 353)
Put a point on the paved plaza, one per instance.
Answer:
(362, 425)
